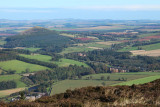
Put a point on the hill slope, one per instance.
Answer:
(38, 37)
(137, 95)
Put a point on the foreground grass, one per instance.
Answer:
(62, 62)
(62, 86)
(20, 66)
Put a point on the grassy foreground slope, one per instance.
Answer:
(20, 66)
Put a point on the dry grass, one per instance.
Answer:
(94, 48)
(10, 91)
(146, 53)
(108, 42)
(100, 28)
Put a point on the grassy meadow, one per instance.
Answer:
(76, 49)
(145, 47)
(20, 66)
(62, 62)
(15, 78)
(141, 80)
(2, 42)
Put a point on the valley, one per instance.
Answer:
(53, 59)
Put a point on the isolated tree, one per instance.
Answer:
(22, 95)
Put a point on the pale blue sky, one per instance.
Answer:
(83, 9)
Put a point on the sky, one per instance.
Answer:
(80, 9)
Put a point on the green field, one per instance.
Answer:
(97, 45)
(141, 80)
(32, 49)
(62, 62)
(2, 42)
(62, 86)
(14, 77)
(20, 66)
(39, 57)
(148, 34)
(76, 49)
(145, 47)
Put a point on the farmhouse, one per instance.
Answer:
(116, 70)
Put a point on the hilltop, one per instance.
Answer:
(37, 29)
(38, 37)
(137, 95)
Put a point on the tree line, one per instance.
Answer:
(7, 85)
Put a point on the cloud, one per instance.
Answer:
(125, 7)
(27, 10)
(90, 8)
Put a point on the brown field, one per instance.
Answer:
(108, 42)
(146, 53)
(94, 48)
(100, 27)
(10, 91)
(144, 39)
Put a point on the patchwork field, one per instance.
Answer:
(148, 34)
(63, 62)
(146, 53)
(108, 43)
(145, 47)
(97, 28)
(20, 66)
(62, 86)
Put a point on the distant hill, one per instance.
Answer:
(136, 95)
(40, 38)
(37, 30)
